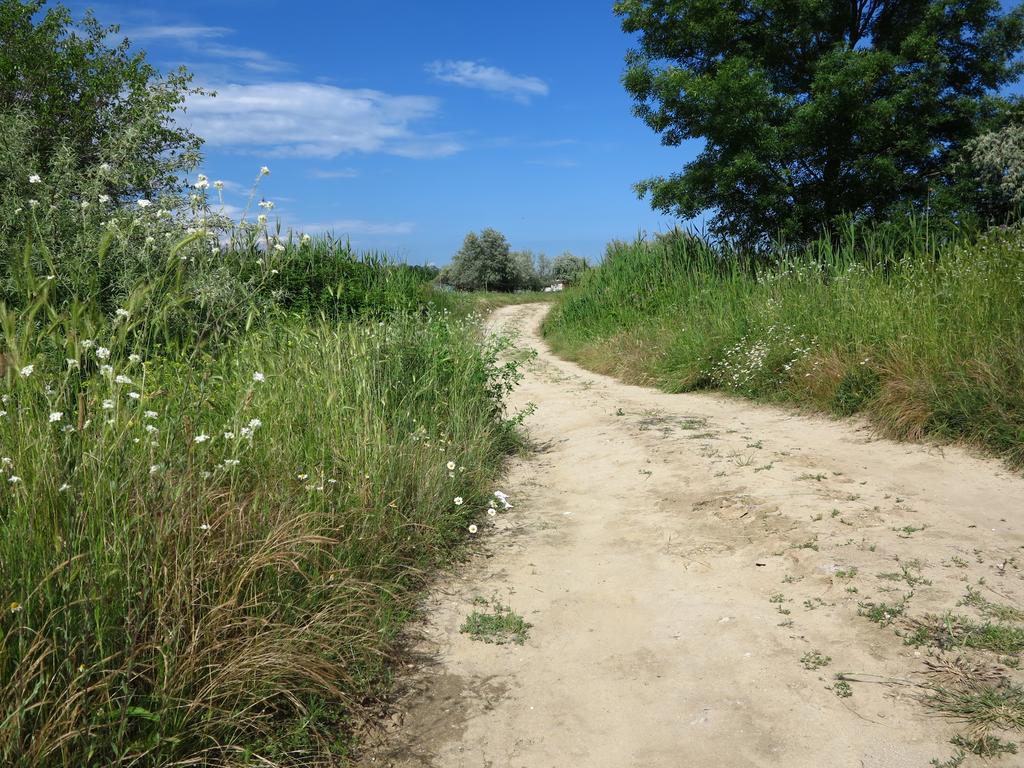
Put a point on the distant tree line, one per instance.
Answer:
(486, 262)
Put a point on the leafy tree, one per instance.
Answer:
(484, 263)
(91, 100)
(568, 269)
(812, 110)
(527, 278)
(998, 157)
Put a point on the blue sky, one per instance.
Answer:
(406, 125)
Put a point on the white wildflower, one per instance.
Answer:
(491, 512)
(150, 414)
(264, 171)
(204, 527)
(258, 377)
(201, 438)
(121, 313)
(13, 479)
(255, 423)
(122, 379)
(458, 501)
(33, 203)
(56, 416)
(451, 465)
(229, 435)
(27, 371)
(106, 370)
(202, 182)
(218, 185)
(108, 405)
(303, 476)
(134, 358)
(102, 353)
(134, 395)
(143, 203)
(472, 529)
(279, 247)
(35, 178)
(154, 468)
(104, 198)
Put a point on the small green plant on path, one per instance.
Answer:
(497, 624)
(815, 660)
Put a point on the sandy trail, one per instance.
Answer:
(650, 535)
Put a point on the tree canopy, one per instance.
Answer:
(812, 110)
(86, 97)
(483, 263)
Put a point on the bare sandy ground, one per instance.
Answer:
(677, 556)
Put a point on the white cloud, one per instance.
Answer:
(472, 74)
(200, 40)
(340, 173)
(301, 119)
(359, 227)
(179, 32)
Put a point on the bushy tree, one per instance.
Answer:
(568, 269)
(812, 110)
(87, 96)
(85, 126)
(484, 263)
(999, 158)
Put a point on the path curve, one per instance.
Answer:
(650, 535)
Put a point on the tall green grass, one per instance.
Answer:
(227, 461)
(922, 336)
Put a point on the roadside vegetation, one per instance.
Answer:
(923, 336)
(852, 263)
(229, 455)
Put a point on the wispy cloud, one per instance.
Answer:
(474, 74)
(206, 41)
(180, 32)
(301, 119)
(340, 173)
(343, 227)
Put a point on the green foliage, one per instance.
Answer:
(856, 389)
(532, 272)
(999, 157)
(811, 111)
(568, 269)
(500, 625)
(921, 335)
(190, 585)
(80, 99)
(484, 263)
(215, 498)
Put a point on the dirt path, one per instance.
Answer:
(678, 556)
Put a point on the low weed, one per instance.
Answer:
(498, 624)
(814, 660)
